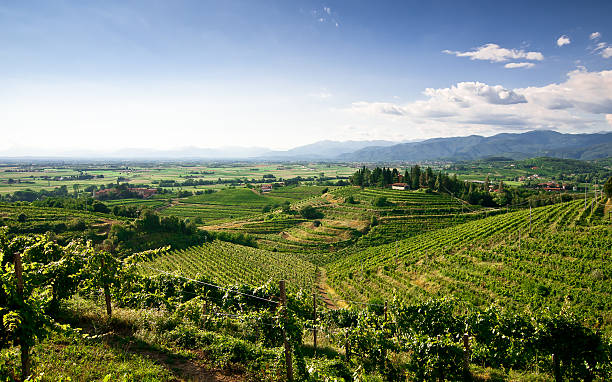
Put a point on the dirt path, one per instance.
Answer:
(328, 294)
(182, 369)
(608, 208)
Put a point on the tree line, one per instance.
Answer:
(416, 178)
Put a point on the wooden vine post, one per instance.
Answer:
(204, 312)
(283, 301)
(529, 219)
(467, 376)
(314, 322)
(107, 297)
(384, 348)
(23, 340)
(385, 311)
(556, 368)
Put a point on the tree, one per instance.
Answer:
(309, 212)
(438, 183)
(608, 187)
(380, 201)
(415, 176)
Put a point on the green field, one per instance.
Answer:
(47, 176)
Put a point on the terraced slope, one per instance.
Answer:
(68, 223)
(237, 203)
(407, 213)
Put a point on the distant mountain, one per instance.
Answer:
(325, 150)
(517, 146)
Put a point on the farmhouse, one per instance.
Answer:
(144, 192)
(399, 186)
(266, 187)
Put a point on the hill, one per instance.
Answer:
(518, 146)
(496, 260)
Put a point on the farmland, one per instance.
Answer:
(16, 176)
(194, 271)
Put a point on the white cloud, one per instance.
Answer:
(603, 49)
(512, 65)
(327, 10)
(585, 91)
(595, 36)
(563, 40)
(495, 53)
(583, 102)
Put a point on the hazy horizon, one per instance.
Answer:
(105, 77)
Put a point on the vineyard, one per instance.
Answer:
(237, 203)
(492, 260)
(230, 264)
(63, 222)
(382, 285)
(346, 223)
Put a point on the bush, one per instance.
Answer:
(381, 201)
(309, 212)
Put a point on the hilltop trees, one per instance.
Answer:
(473, 192)
(608, 188)
(414, 177)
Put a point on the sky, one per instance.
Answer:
(78, 76)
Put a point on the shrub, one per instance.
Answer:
(309, 212)
(381, 201)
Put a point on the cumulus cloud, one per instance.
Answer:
(582, 102)
(595, 36)
(495, 53)
(590, 92)
(512, 65)
(563, 40)
(473, 92)
(327, 10)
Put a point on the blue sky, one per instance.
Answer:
(167, 74)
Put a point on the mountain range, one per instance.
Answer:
(516, 146)
(512, 145)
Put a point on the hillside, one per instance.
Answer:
(564, 260)
(518, 146)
